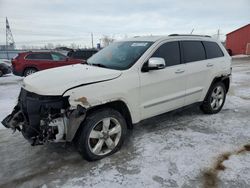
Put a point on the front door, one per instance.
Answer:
(163, 90)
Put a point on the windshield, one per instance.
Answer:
(119, 55)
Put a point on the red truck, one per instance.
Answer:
(27, 63)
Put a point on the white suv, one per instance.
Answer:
(128, 81)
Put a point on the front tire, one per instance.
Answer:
(1, 73)
(103, 133)
(215, 99)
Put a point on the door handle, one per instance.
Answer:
(179, 71)
(210, 65)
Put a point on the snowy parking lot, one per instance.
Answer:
(184, 148)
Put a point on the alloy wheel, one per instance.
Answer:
(217, 98)
(104, 136)
(29, 72)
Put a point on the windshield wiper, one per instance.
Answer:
(99, 65)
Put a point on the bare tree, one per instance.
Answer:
(106, 40)
(74, 46)
(49, 46)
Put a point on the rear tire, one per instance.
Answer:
(215, 99)
(29, 71)
(103, 133)
(1, 73)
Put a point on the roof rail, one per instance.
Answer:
(173, 35)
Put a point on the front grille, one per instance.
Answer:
(37, 107)
(57, 102)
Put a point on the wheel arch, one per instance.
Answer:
(224, 79)
(118, 105)
(29, 67)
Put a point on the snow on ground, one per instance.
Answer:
(171, 150)
(9, 90)
(240, 56)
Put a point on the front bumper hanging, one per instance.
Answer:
(38, 117)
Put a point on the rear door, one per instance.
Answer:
(197, 69)
(216, 62)
(38, 60)
(164, 89)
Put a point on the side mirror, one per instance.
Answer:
(154, 63)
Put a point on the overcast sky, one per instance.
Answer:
(37, 22)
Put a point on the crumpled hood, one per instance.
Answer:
(56, 81)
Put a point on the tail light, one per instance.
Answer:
(13, 64)
(14, 61)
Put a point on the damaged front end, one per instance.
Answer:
(44, 119)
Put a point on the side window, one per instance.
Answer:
(39, 56)
(30, 56)
(44, 56)
(88, 54)
(212, 49)
(170, 52)
(58, 57)
(93, 52)
(79, 55)
(193, 51)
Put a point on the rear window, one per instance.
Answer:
(212, 49)
(193, 51)
(39, 56)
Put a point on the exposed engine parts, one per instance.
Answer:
(44, 119)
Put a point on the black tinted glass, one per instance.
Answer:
(30, 56)
(170, 52)
(88, 54)
(193, 51)
(79, 55)
(41, 56)
(212, 49)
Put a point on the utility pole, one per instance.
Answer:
(192, 31)
(92, 40)
(6, 38)
(9, 38)
(218, 34)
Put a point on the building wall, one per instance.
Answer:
(238, 40)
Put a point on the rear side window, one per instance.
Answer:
(170, 52)
(39, 56)
(193, 51)
(212, 49)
